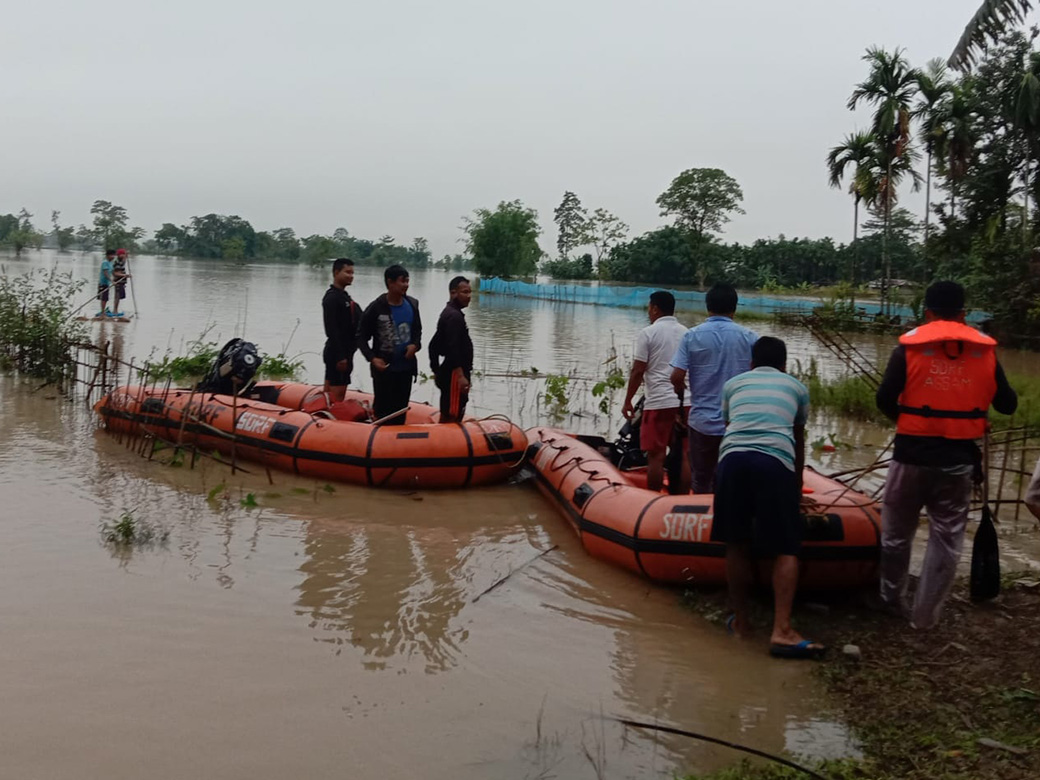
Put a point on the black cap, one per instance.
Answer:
(944, 298)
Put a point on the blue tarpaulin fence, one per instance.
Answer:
(637, 297)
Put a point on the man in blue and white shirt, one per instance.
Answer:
(710, 354)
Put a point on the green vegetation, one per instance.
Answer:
(701, 200)
(504, 242)
(853, 397)
(849, 395)
(37, 332)
(200, 354)
(18, 233)
(613, 381)
(129, 531)
(555, 395)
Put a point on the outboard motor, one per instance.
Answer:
(627, 452)
(233, 369)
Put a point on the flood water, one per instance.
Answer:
(341, 631)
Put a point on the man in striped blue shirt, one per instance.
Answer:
(757, 511)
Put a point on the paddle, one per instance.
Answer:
(129, 282)
(985, 553)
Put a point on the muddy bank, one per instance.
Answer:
(961, 701)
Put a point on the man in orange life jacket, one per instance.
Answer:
(939, 384)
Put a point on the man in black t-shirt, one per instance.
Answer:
(451, 352)
(341, 316)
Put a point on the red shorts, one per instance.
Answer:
(655, 430)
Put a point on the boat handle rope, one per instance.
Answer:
(578, 461)
(501, 458)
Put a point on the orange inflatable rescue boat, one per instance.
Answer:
(667, 538)
(293, 427)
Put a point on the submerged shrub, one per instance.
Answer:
(37, 329)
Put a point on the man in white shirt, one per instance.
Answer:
(655, 346)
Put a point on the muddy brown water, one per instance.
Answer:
(346, 632)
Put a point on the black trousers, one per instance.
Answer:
(392, 390)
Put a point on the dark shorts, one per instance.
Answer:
(704, 458)
(757, 502)
(102, 293)
(121, 291)
(656, 427)
(391, 390)
(333, 375)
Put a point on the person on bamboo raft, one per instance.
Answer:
(938, 386)
(758, 495)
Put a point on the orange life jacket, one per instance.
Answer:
(950, 381)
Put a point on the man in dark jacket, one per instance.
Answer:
(389, 337)
(341, 316)
(938, 386)
(451, 352)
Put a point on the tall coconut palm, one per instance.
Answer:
(986, 26)
(933, 87)
(890, 88)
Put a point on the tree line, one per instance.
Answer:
(215, 236)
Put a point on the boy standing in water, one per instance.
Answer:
(105, 280)
(389, 337)
(119, 275)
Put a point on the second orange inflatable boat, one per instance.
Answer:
(293, 427)
(668, 538)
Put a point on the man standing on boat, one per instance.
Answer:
(451, 352)
(757, 509)
(939, 384)
(710, 355)
(389, 337)
(341, 316)
(662, 409)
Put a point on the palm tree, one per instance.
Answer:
(933, 87)
(890, 88)
(1026, 116)
(860, 151)
(956, 116)
(986, 26)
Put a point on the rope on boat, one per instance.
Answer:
(578, 461)
(725, 743)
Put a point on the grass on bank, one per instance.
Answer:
(960, 702)
(851, 396)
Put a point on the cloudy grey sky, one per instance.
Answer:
(401, 116)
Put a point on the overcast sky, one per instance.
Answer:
(399, 117)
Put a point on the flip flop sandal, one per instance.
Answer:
(801, 650)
